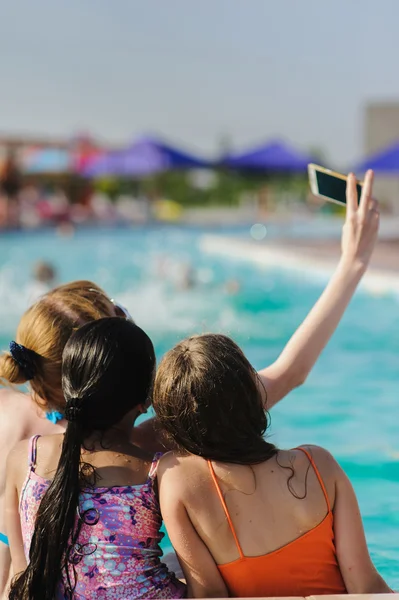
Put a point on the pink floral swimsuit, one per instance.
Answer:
(118, 554)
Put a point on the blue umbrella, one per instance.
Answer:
(144, 157)
(384, 161)
(274, 156)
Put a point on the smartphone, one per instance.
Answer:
(330, 185)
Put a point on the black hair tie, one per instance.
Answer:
(24, 359)
(73, 409)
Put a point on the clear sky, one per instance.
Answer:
(197, 70)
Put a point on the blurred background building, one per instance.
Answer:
(381, 130)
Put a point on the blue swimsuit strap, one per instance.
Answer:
(4, 539)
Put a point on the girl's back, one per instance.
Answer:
(117, 547)
(262, 523)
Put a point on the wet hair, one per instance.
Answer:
(108, 370)
(44, 330)
(208, 399)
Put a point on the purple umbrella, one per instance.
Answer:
(145, 157)
(274, 156)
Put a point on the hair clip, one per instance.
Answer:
(24, 359)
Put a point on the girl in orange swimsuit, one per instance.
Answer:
(247, 519)
(312, 554)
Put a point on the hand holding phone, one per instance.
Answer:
(362, 211)
(329, 185)
(362, 220)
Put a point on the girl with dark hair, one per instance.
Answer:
(245, 518)
(34, 360)
(84, 521)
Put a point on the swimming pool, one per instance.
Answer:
(349, 403)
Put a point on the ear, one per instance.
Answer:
(142, 408)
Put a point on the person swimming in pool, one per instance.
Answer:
(44, 277)
(287, 521)
(45, 328)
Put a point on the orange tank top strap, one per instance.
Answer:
(319, 477)
(223, 502)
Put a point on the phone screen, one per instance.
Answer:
(334, 187)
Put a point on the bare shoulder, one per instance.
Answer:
(49, 447)
(326, 465)
(301, 454)
(5, 394)
(18, 461)
(16, 406)
(325, 471)
(168, 462)
(179, 471)
(327, 468)
(18, 455)
(322, 458)
(20, 417)
(15, 415)
(13, 398)
(46, 444)
(149, 436)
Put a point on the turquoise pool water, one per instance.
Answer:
(349, 403)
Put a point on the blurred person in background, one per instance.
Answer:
(10, 185)
(29, 200)
(45, 273)
(186, 277)
(44, 276)
(53, 207)
(232, 287)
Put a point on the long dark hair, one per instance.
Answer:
(208, 399)
(108, 369)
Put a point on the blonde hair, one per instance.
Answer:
(45, 329)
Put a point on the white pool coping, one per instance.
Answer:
(273, 255)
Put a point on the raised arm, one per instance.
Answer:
(304, 348)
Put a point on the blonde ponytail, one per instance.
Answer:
(10, 371)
